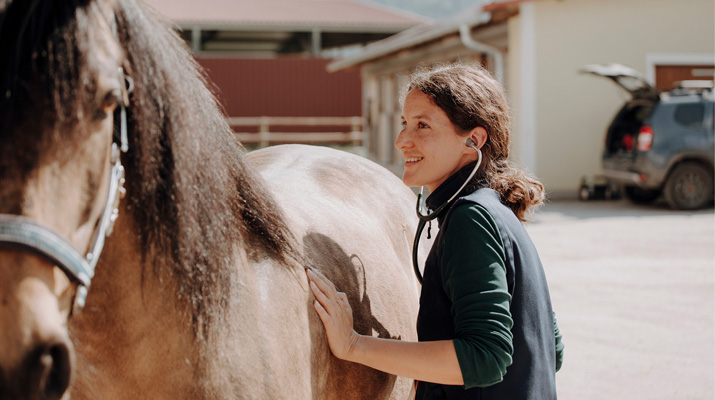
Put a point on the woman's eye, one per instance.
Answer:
(422, 125)
(403, 124)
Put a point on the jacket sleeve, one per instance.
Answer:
(474, 277)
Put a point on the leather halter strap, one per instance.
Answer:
(22, 233)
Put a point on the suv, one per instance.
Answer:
(660, 142)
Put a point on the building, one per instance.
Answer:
(536, 48)
(268, 61)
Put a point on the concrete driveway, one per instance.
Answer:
(634, 293)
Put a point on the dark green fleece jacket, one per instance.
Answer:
(485, 289)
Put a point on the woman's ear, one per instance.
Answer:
(479, 136)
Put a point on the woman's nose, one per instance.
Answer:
(403, 140)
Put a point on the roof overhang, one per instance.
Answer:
(343, 16)
(295, 27)
(485, 12)
(409, 38)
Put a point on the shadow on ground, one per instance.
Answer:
(576, 209)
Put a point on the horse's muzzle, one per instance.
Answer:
(44, 375)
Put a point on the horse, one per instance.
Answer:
(108, 126)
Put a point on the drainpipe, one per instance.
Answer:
(465, 34)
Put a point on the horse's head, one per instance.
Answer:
(61, 93)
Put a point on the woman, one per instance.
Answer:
(485, 325)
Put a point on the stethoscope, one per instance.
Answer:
(430, 215)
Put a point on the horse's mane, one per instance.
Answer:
(189, 190)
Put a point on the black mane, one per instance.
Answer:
(190, 190)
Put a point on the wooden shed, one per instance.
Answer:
(268, 61)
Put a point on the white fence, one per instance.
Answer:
(266, 135)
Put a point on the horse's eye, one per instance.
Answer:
(108, 104)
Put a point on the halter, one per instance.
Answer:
(22, 233)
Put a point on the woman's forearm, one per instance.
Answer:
(434, 362)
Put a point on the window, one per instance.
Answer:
(690, 115)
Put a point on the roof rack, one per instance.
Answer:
(692, 87)
(694, 84)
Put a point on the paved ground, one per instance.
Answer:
(634, 292)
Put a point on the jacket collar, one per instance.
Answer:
(452, 184)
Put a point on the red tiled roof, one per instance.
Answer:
(502, 4)
(342, 15)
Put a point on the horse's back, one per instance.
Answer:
(334, 177)
(354, 221)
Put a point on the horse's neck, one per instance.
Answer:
(134, 339)
(130, 331)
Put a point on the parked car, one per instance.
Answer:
(660, 142)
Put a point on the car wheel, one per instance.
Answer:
(689, 186)
(639, 195)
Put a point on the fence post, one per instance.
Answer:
(263, 134)
(356, 132)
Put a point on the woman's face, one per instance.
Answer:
(429, 143)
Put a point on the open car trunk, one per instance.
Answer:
(627, 78)
(622, 134)
(621, 142)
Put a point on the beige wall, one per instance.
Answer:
(568, 112)
(523, 147)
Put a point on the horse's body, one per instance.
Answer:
(352, 221)
(200, 292)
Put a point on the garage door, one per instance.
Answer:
(667, 75)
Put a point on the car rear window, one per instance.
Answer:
(690, 115)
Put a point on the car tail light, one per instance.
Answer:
(645, 138)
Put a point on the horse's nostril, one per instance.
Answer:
(49, 370)
(58, 377)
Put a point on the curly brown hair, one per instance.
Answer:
(472, 98)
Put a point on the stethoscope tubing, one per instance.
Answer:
(429, 216)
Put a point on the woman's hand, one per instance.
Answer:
(434, 361)
(335, 312)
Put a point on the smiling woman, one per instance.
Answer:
(431, 145)
(486, 327)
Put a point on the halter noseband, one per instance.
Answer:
(22, 233)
